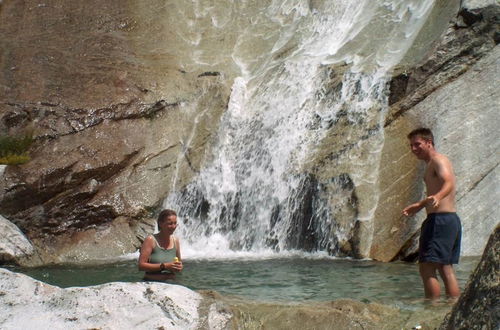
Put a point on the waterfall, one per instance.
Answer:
(295, 165)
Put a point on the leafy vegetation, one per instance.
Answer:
(14, 149)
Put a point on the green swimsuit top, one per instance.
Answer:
(160, 254)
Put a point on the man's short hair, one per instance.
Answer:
(423, 133)
(165, 214)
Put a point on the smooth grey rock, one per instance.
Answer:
(29, 304)
(13, 243)
(465, 119)
(463, 114)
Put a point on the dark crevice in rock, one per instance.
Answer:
(209, 74)
(188, 161)
(143, 161)
(467, 18)
(407, 252)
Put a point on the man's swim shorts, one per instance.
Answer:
(440, 238)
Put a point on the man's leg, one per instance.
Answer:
(450, 281)
(430, 280)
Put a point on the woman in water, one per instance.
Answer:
(160, 254)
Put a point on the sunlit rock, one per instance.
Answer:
(461, 109)
(13, 243)
(26, 303)
(117, 123)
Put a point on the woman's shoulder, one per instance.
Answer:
(150, 239)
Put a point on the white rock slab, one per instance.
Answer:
(13, 243)
(29, 304)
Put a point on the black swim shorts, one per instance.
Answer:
(440, 238)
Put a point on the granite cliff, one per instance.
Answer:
(122, 114)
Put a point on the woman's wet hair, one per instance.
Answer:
(165, 214)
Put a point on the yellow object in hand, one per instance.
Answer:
(176, 259)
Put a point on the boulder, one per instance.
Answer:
(479, 305)
(13, 244)
(29, 304)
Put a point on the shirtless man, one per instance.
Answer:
(439, 246)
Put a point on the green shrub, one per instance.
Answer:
(14, 150)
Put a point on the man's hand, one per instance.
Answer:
(412, 209)
(432, 200)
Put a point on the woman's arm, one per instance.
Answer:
(145, 253)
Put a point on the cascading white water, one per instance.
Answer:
(262, 191)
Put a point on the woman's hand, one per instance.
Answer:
(175, 266)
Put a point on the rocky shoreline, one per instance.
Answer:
(27, 303)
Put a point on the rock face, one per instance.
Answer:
(479, 305)
(124, 112)
(117, 124)
(454, 93)
(26, 303)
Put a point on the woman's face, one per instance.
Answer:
(169, 224)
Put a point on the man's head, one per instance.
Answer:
(421, 142)
(422, 132)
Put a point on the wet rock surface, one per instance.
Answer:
(116, 124)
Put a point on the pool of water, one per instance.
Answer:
(272, 280)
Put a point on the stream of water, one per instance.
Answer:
(295, 164)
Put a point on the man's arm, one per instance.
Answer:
(414, 208)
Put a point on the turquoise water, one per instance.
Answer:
(272, 280)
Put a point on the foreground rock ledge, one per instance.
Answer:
(29, 304)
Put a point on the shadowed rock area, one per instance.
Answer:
(479, 305)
